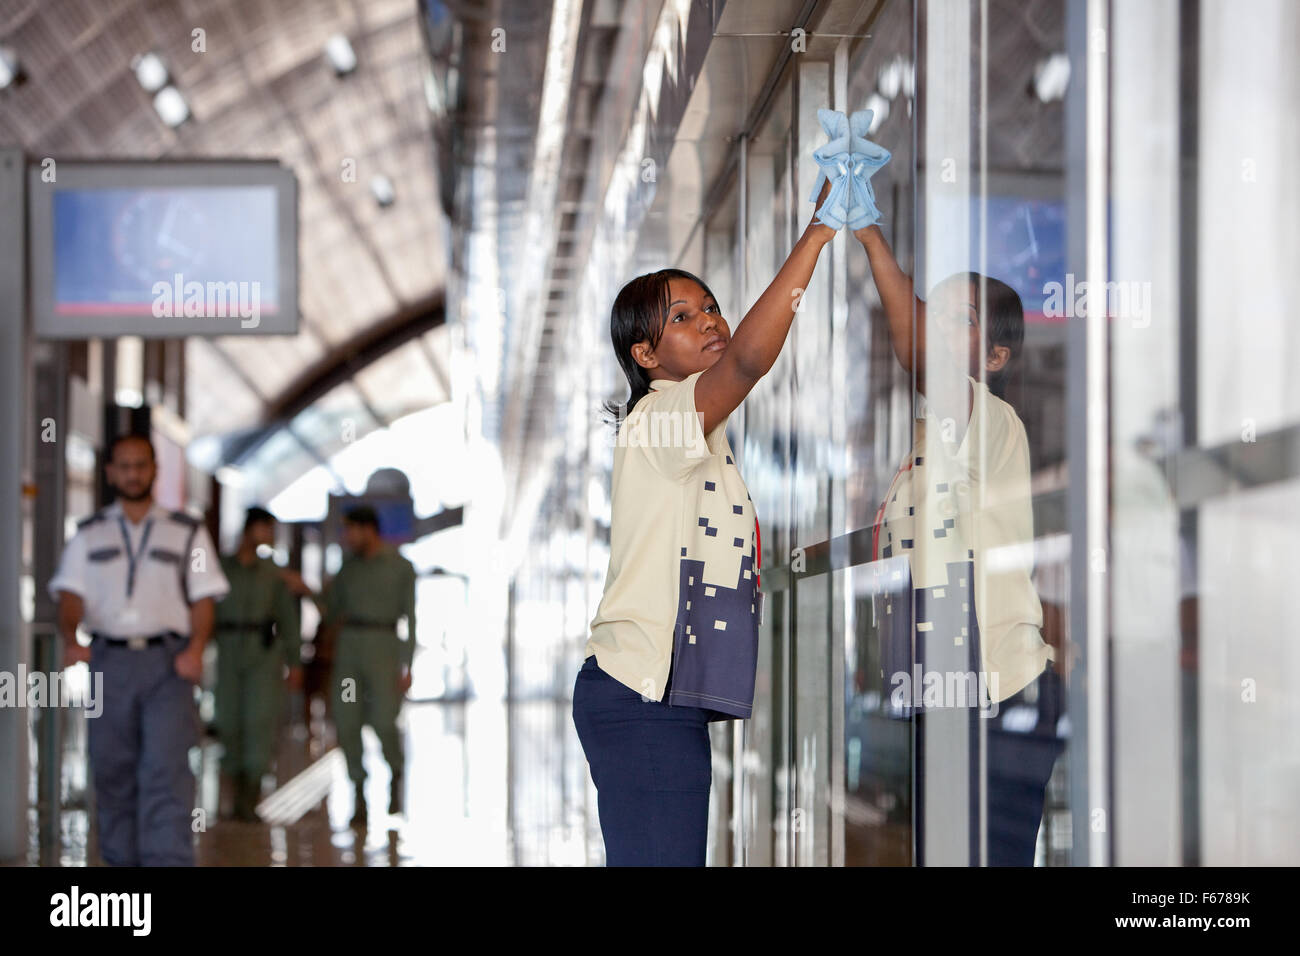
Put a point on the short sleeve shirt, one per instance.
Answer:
(257, 595)
(962, 514)
(139, 579)
(678, 618)
(374, 592)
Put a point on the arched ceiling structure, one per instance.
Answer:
(371, 343)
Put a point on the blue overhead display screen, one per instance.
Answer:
(150, 251)
(1023, 245)
(163, 249)
(1026, 248)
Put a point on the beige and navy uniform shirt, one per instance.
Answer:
(138, 580)
(679, 616)
(961, 512)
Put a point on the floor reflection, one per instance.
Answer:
(456, 806)
(488, 784)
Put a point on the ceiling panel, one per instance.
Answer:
(338, 418)
(220, 397)
(401, 382)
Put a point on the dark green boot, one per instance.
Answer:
(359, 799)
(248, 790)
(396, 795)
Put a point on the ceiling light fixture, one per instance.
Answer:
(10, 70)
(340, 54)
(880, 108)
(150, 72)
(1052, 78)
(382, 188)
(171, 106)
(895, 77)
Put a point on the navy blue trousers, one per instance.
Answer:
(652, 769)
(139, 756)
(1018, 766)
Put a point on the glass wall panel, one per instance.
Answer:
(965, 655)
(1241, 574)
(877, 741)
(764, 801)
(809, 347)
(835, 769)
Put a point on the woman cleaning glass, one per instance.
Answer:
(674, 642)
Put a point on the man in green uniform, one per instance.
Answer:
(258, 636)
(372, 665)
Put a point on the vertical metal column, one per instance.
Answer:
(1086, 424)
(1189, 66)
(944, 818)
(50, 468)
(981, 739)
(512, 808)
(739, 727)
(783, 627)
(13, 409)
(1096, 435)
(1141, 365)
(839, 607)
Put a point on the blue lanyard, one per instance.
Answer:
(133, 556)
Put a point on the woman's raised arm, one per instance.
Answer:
(758, 338)
(904, 310)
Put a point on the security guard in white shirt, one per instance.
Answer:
(144, 580)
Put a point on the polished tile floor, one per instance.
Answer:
(488, 784)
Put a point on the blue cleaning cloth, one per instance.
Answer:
(848, 161)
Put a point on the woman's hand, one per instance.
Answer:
(816, 230)
(863, 234)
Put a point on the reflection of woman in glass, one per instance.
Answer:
(674, 642)
(960, 508)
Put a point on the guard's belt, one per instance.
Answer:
(134, 642)
(369, 622)
(266, 628)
